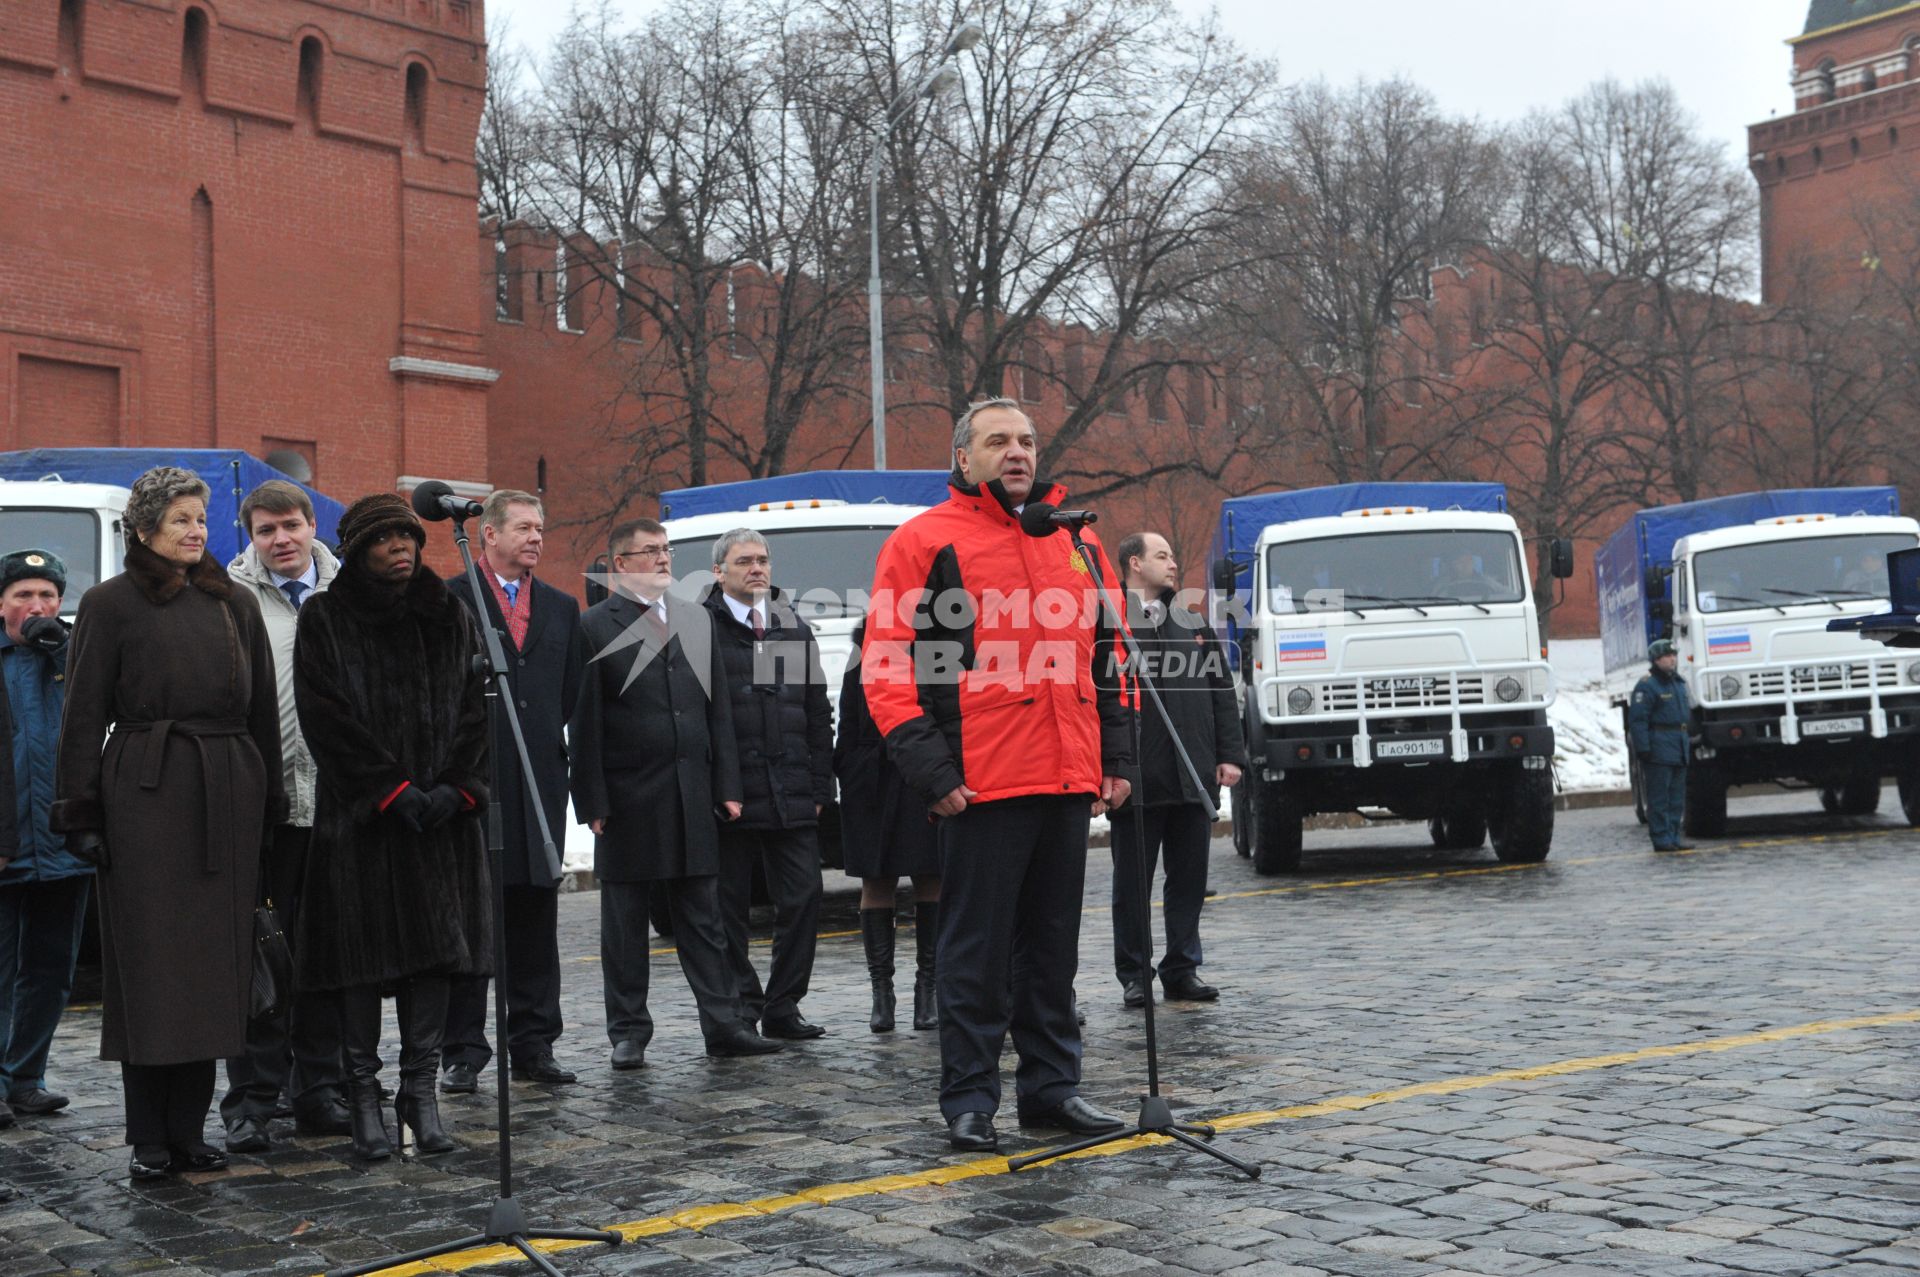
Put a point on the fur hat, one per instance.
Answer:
(27, 565)
(154, 491)
(370, 517)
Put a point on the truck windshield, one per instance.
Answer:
(1779, 574)
(74, 535)
(827, 571)
(1375, 570)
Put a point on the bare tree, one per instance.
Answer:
(507, 149)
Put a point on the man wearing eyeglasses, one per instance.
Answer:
(654, 771)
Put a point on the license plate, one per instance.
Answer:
(1832, 726)
(1409, 748)
(1401, 685)
(1819, 673)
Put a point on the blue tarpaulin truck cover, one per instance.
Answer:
(855, 487)
(1647, 540)
(229, 474)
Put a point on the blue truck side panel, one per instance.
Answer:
(855, 487)
(229, 474)
(1243, 518)
(1647, 540)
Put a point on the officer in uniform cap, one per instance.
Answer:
(1657, 730)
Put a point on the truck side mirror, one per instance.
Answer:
(1561, 557)
(1657, 580)
(1223, 574)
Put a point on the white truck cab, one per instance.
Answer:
(80, 522)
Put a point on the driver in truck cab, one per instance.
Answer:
(1657, 718)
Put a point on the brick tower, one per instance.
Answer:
(247, 224)
(1847, 159)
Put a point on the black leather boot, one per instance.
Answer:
(423, 1024)
(926, 941)
(876, 932)
(360, 1044)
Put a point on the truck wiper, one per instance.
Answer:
(1741, 598)
(1375, 598)
(1448, 600)
(1800, 594)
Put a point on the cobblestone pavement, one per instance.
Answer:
(1610, 1063)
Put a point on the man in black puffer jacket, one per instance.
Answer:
(783, 725)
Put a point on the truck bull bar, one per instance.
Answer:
(1787, 685)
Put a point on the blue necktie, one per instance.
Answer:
(295, 591)
(512, 589)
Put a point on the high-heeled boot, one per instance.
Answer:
(422, 1005)
(926, 942)
(876, 933)
(360, 1044)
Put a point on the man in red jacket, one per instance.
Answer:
(994, 677)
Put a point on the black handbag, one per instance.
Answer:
(272, 963)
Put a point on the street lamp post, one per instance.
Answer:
(936, 82)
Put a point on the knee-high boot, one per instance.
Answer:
(876, 932)
(926, 942)
(360, 1044)
(423, 1024)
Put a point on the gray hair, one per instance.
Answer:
(739, 536)
(493, 511)
(963, 428)
(156, 490)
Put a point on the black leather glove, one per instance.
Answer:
(444, 802)
(89, 847)
(47, 633)
(412, 806)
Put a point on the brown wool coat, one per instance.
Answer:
(180, 672)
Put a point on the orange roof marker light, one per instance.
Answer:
(1783, 520)
(1382, 511)
(816, 503)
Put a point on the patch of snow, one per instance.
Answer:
(1589, 752)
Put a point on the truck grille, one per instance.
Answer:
(1827, 676)
(1401, 693)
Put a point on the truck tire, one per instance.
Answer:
(1276, 834)
(1241, 801)
(1860, 796)
(1706, 814)
(1909, 782)
(1638, 784)
(1830, 799)
(1522, 823)
(1462, 829)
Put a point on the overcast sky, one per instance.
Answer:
(1490, 58)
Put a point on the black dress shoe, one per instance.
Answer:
(460, 1079)
(791, 1028)
(628, 1054)
(150, 1161)
(737, 1040)
(1072, 1114)
(283, 1107)
(1188, 987)
(328, 1116)
(36, 1103)
(248, 1135)
(543, 1068)
(1134, 993)
(973, 1133)
(198, 1157)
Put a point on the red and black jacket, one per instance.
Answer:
(988, 660)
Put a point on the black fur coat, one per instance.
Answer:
(387, 692)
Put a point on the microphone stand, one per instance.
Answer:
(1156, 1116)
(507, 1221)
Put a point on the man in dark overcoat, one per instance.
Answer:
(1188, 666)
(783, 724)
(539, 627)
(653, 755)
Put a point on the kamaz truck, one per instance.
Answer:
(1389, 652)
(1746, 586)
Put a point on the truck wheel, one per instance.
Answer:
(1459, 830)
(1241, 800)
(1276, 834)
(1909, 782)
(1830, 800)
(1522, 824)
(1638, 784)
(1706, 814)
(1860, 796)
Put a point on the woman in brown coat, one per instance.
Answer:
(172, 809)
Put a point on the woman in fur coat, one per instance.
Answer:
(172, 810)
(399, 893)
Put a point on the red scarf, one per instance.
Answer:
(517, 613)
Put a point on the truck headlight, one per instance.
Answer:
(1730, 687)
(1299, 700)
(1508, 688)
(1913, 672)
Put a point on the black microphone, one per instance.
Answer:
(1039, 519)
(437, 500)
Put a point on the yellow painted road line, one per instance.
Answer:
(696, 1218)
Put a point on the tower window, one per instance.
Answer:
(193, 56)
(416, 106)
(307, 98)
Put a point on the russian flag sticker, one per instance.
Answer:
(1729, 642)
(1303, 646)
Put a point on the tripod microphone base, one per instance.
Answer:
(1156, 1118)
(506, 1226)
